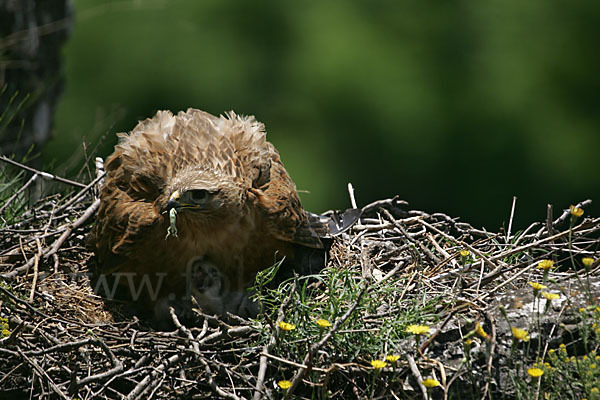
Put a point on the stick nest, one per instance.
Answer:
(405, 267)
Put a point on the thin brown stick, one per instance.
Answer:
(18, 192)
(35, 270)
(417, 374)
(80, 194)
(262, 370)
(42, 374)
(78, 222)
(315, 347)
(510, 221)
(44, 175)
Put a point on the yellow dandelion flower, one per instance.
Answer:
(576, 211)
(468, 342)
(545, 264)
(537, 286)
(464, 253)
(551, 296)
(5, 333)
(593, 366)
(520, 334)
(378, 364)
(594, 390)
(392, 358)
(431, 383)
(582, 310)
(535, 372)
(284, 384)
(417, 329)
(323, 323)
(286, 326)
(587, 261)
(551, 351)
(480, 331)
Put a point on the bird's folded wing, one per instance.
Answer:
(286, 218)
(125, 215)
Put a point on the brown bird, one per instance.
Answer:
(234, 208)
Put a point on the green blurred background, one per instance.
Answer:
(454, 106)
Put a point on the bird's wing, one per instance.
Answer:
(127, 211)
(286, 218)
(269, 187)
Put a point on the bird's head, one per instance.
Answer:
(197, 200)
(204, 195)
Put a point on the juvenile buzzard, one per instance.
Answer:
(237, 209)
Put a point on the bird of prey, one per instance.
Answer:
(195, 193)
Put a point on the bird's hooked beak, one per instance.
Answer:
(174, 201)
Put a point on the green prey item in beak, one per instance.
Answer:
(172, 229)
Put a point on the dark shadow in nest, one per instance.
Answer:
(118, 302)
(118, 299)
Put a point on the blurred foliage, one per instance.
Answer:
(455, 106)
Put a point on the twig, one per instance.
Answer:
(117, 367)
(40, 371)
(196, 349)
(510, 221)
(432, 337)
(141, 387)
(315, 347)
(63, 347)
(44, 175)
(262, 369)
(567, 212)
(549, 219)
(214, 386)
(78, 222)
(80, 194)
(417, 374)
(18, 192)
(35, 270)
(376, 205)
(533, 244)
(50, 251)
(425, 250)
(491, 354)
(292, 363)
(351, 193)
